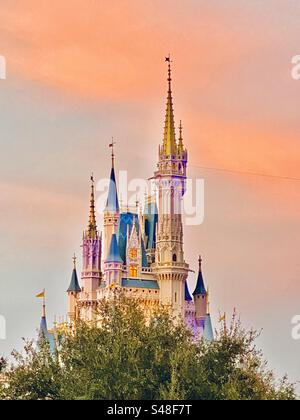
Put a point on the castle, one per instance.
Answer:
(142, 253)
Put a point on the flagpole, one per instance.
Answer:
(44, 304)
(112, 144)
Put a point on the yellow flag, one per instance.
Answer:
(222, 318)
(41, 295)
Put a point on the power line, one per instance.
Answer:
(288, 178)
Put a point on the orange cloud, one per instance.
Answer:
(111, 50)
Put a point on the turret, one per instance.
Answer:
(91, 252)
(201, 297)
(73, 292)
(113, 264)
(112, 209)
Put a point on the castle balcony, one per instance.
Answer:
(170, 265)
(169, 172)
(144, 270)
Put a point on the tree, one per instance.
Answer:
(130, 357)
(3, 364)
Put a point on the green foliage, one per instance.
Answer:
(3, 364)
(126, 357)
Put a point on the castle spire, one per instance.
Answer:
(43, 333)
(112, 144)
(112, 204)
(169, 144)
(180, 140)
(74, 284)
(92, 228)
(74, 261)
(200, 287)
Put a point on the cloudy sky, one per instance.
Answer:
(81, 71)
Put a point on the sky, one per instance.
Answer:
(82, 71)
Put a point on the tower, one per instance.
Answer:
(170, 266)
(201, 298)
(91, 252)
(112, 209)
(73, 292)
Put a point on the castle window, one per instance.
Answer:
(174, 258)
(133, 271)
(133, 253)
(175, 297)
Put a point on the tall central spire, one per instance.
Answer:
(169, 145)
(92, 228)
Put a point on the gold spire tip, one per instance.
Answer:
(200, 262)
(169, 61)
(74, 261)
(112, 145)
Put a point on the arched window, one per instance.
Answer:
(133, 271)
(174, 258)
(133, 253)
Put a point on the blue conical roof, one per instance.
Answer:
(188, 296)
(74, 285)
(43, 333)
(208, 333)
(112, 204)
(200, 287)
(46, 336)
(114, 253)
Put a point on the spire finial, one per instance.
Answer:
(112, 144)
(180, 141)
(169, 61)
(92, 228)
(200, 262)
(44, 303)
(169, 144)
(74, 261)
